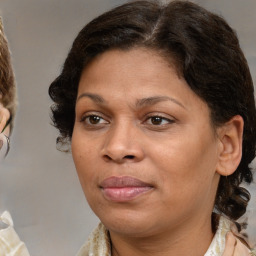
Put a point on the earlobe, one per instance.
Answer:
(230, 150)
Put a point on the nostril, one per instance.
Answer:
(117, 159)
(129, 157)
(107, 157)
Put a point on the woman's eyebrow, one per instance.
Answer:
(94, 97)
(156, 99)
(140, 103)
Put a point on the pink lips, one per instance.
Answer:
(122, 189)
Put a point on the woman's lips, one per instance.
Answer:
(122, 189)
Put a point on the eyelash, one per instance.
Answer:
(160, 119)
(149, 120)
(98, 117)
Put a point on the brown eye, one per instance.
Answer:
(156, 120)
(94, 119)
(159, 121)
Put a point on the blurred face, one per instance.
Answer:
(4, 131)
(143, 145)
(4, 118)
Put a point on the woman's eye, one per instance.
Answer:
(158, 120)
(94, 120)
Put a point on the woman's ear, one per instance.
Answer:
(230, 151)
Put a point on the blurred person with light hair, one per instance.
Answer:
(10, 243)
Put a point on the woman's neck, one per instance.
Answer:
(190, 239)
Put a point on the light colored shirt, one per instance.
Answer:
(10, 243)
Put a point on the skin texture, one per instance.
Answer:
(4, 117)
(136, 117)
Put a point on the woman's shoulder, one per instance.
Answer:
(227, 240)
(10, 243)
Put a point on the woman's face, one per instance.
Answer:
(143, 145)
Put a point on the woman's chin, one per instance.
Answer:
(129, 228)
(133, 224)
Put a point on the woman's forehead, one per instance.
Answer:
(139, 63)
(139, 76)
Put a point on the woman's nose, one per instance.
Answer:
(123, 144)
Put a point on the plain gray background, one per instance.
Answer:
(38, 184)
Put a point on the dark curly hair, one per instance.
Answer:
(206, 52)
